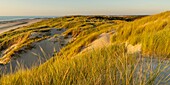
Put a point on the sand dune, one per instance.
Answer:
(39, 53)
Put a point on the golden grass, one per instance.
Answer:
(152, 32)
(105, 66)
(109, 65)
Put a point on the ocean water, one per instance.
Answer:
(11, 18)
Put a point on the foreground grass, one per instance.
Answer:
(110, 65)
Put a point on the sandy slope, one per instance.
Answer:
(102, 41)
(40, 51)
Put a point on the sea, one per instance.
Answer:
(13, 18)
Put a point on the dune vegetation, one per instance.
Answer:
(152, 32)
(111, 64)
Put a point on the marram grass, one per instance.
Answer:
(108, 66)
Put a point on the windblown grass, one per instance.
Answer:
(152, 32)
(105, 66)
(109, 65)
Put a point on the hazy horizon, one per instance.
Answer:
(83, 7)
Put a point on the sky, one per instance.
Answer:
(81, 7)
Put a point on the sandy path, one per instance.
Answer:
(4, 27)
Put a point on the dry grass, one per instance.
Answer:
(105, 66)
(109, 65)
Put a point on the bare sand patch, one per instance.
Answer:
(131, 49)
(102, 41)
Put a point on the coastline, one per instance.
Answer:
(9, 25)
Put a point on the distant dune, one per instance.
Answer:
(9, 25)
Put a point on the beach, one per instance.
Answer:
(9, 25)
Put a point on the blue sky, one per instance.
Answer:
(81, 7)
